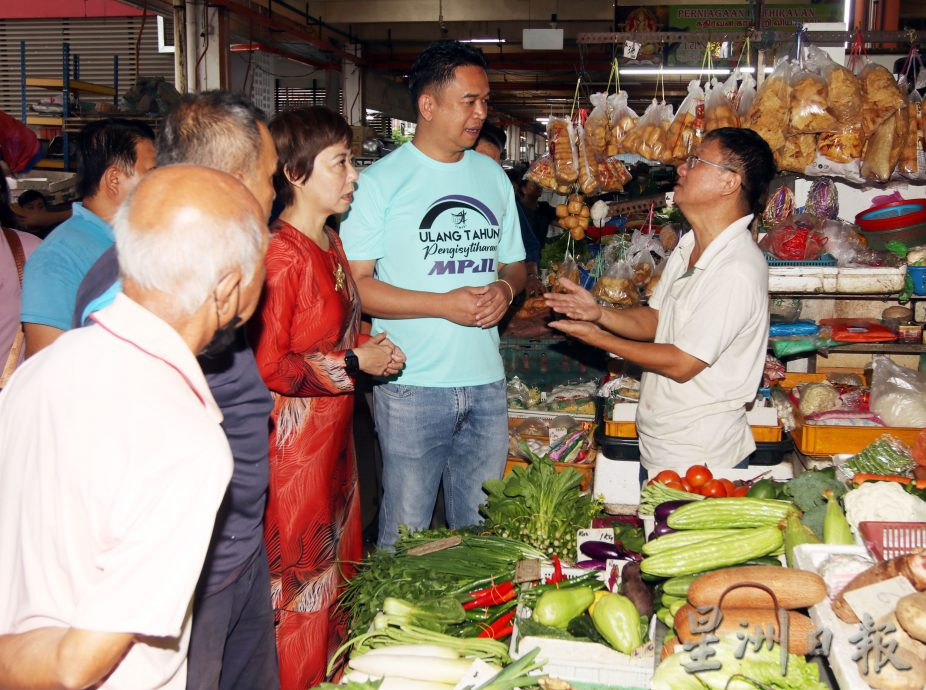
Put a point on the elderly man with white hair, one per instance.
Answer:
(112, 459)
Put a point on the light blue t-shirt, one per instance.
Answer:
(434, 227)
(54, 271)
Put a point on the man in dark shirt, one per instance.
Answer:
(232, 641)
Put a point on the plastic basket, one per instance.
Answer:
(549, 362)
(887, 540)
(825, 260)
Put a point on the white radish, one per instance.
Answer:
(433, 650)
(397, 683)
(414, 667)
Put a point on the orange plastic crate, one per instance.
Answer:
(813, 439)
(762, 434)
(586, 469)
(886, 540)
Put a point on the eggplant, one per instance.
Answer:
(602, 550)
(664, 510)
(591, 564)
(661, 529)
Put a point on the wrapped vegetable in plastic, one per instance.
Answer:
(768, 116)
(648, 138)
(898, 394)
(780, 205)
(561, 135)
(687, 128)
(886, 455)
(623, 119)
(795, 239)
(823, 199)
(720, 106)
(597, 126)
(881, 97)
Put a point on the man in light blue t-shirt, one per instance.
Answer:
(113, 155)
(434, 245)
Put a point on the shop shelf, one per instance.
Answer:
(57, 84)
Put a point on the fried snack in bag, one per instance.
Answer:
(588, 182)
(808, 104)
(687, 128)
(768, 116)
(648, 138)
(878, 163)
(912, 163)
(719, 105)
(541, 172)
(598, 125)
(844, 145)
(616, 286)
(569, 269)
(798, 152)
(622, 120)
(561, 135)
(611, 174)
(901, 127)
(843, 91)
(881, 97)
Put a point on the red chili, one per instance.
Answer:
(557, 572)
(497, 628)
(495, 595)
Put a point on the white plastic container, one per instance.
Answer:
(870, 280)
(810, 279)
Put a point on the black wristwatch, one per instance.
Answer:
(351, 363)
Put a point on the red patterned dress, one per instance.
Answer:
(310, 315)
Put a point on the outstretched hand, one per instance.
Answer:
(585, 331)
(577, 303)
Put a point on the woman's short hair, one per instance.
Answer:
(300, 135)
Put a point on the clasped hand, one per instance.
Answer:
(482, 306)
(379, 356)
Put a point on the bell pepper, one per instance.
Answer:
(557, 607)
(618, 621)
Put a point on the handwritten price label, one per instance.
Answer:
(605, 534)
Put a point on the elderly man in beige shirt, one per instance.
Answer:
(112, 460)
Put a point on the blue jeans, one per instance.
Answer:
(458, 435)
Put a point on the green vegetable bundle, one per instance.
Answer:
(887, 455)
(540, 506)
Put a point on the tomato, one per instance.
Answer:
(698, 475)
(674, 484)
(729, 486)
(715, 488)
(741, 491)
(687, 485)
(667, 476)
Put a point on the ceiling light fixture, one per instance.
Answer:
(482, 40)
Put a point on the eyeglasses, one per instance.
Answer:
(692, 161)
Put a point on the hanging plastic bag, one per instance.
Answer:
(651, 284)
(720, 105)
(798, 153)
(843, 242)
(542, 172)
(843, 91)
(597, 126)
(562, 138)
(616, 286)
(795, 239)
(568, 269)
(898, 394)
(808, 99)
(648, 138)
(588, 181)
(822, 199)
(623, 119)
(881, 97)
(844, 145)
(611, 173)
(745, 96)
(882, 150)
(768, 116)
(912, 164)
(780, 205)
(687, 128)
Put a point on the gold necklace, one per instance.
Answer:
(338, 277)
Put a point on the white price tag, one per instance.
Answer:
(478, 674)
(557, 433)
(631, 50)
(670, 199)
(605, 534)
(879, 599)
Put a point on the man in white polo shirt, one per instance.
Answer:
(701, 341)
(112, 458)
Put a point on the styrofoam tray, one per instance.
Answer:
(810, 279)
(590, 662)
(810, 557)
(870, 280)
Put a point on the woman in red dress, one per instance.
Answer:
(308, 349)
